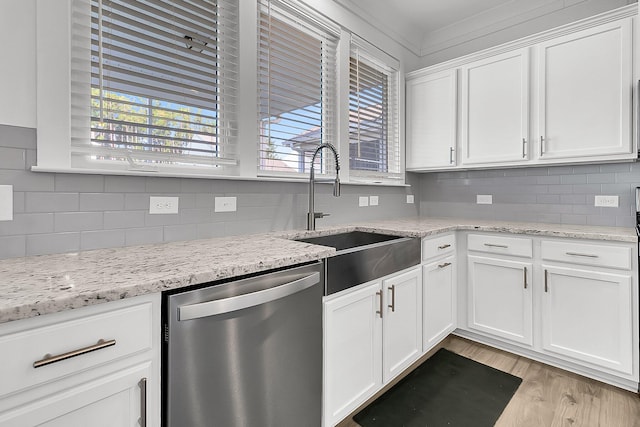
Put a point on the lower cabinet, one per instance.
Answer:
(587, 316)
(439, 301)
(499, 298)
(114, 400)
(94, 366)
(371, 334)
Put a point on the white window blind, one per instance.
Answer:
(297, 88)
(374, 142)
(163, 79)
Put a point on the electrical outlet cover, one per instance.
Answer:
(225, 204)
(607, 201)
(163, 205)
(373, 200)
(484, 199)
(6, 202)
(363, 201)
(410, 198)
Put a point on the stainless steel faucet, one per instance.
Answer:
(312, 215)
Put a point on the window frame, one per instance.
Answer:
(53, 79)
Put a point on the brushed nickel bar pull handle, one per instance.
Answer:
(446, 264)
(143, 402)
(379, 293)
(444, 246)
(451, 150)
(546, 281)
(392, 288)
(541, 145)
(525, 277)
(493, 245)
(524, 148)
(49, 359)
(581, 254)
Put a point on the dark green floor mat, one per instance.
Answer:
(446, 390)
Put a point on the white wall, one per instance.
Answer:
(18, 66)
(18, 53)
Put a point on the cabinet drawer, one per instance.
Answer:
(515, 246)
(441, 245)
(127, 330)
(587, 254)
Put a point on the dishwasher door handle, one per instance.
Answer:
(226, 305)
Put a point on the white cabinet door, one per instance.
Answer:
(439, 301)
(585, 92)
(499, 298)
(111, 401)
(495, 109)
(431, 120)
(587, 315)
(402, 322)
(352, 351)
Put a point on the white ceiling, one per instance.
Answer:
(425, 16)
(427, 26)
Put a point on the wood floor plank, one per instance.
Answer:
(548, 396)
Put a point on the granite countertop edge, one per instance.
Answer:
(38, 285)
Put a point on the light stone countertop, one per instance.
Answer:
(38, 285)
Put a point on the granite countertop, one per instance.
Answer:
(34, 286)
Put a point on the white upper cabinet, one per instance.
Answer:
(495, 109)
(585, 90)
(431, 121)
(564, 96)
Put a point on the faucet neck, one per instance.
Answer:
(311, 215)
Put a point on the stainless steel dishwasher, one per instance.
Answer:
(245, 353)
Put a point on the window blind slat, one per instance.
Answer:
(163, 79)
(374, 148)
(297, 87)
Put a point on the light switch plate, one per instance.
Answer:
(607, 201)
(225, 204)
(6, 202)
(163, 205)
(410, 198)
(373, 200)
(484, 199)
(363, 201)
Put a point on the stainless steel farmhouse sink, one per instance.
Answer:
(363, 256)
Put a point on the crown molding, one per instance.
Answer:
(414, 46)
(583, 24)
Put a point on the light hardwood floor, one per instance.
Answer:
(549, 396)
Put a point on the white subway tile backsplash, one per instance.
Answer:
(51, 202)
(101, 239)
(123, 219)
(143, 236)
(13, 246)
(43, 244)
(124, 184)
(101, 201)
(12, 158)
(78, 221)
(72, 183)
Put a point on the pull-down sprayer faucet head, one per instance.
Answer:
(311, 215)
